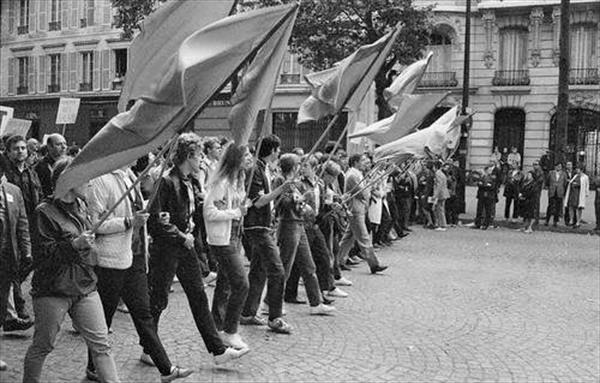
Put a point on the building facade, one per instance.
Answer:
(67, 48)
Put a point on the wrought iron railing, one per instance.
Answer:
(22, 29)
(54, 26)
(85, 87)
(24, 89)
(289, 78)
(511, 77)
(438, 79)
(584, 76)
(53, 88)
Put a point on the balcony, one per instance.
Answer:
(584, 76)
(54, 26)
(53, 88)
(438, 80)
(289, 78)
(23, 29)
(511, 78)
(85, 87)
(23, 89)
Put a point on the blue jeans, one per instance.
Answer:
(88, 318)
(293, 246)
(232, 284)
(265, 267)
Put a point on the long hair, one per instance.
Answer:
(230, 165)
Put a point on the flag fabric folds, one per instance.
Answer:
(160, 38)
(202, 66)
(346, 84)
(442, 136)
(257, 84)
(406, 82)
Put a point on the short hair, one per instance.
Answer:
(310, 160)
(329, 146)
(59, 167)
(12, 140)
(288, 162)
(332, 168)
(354, 159)
(187, 144)
(209, 143)
(268, 145)
(298, 151)
(53, 137)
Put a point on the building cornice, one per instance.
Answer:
(22, 49)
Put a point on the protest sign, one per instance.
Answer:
(16, 127)
(67, 110)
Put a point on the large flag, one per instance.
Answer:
(442, 136)
(410, 114)
(203, 64)
(257, 84)
(406, 82)
(160, 38)
(346, 84)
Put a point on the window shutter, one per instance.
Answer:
(96, 81)
(111, 67)
(107, 13)
(31, 69)
(42, 74)
(98, 12)
(73, 69)
(75, 13)
(11, 17)
(64, 21)
(11, 76)
(106, 69)
(32, 14)
(64, 73)
(43, 22)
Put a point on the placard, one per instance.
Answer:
(16, 127)
(6, 113)
(67, 110)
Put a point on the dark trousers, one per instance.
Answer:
(265, 267)
(452, 210)
(597, 208)
(536, 208)
(568, 216)
(5, 282)
(404, 209)
(322, 258)
(168, 260)
(555, 207)
(132, 286)
(485, 212)
(293, 247)
(511, 200)
(232, 285)
(332, 240)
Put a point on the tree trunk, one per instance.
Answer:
(562, 113)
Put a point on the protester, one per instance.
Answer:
(64, 281)
(171, 253)
(557, 187)
(425, 193)
(452, 209)
(514, 158)
(33, 149)
(577, 192)
(540, 181)
(569, 173)
(513, 181)
(15, 245)
(440, 195)
(57, 148)
(224, 207)
(486, 200)
(527, 195)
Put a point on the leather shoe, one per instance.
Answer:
(17, 325)
(294, 301)
(377, 269)
(327, 301)
(402, 235)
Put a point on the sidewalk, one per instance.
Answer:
(587, 227)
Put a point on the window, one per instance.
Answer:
(512, 60)
(439, 71)
(583, 54)
(120, 62)
(88, 13)
(55, 9)
(23, 63)
(87, 71)
(291, 70)
(23, 27)
(55, 66)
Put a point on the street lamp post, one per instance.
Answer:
(462, 147)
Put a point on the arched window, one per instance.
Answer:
(509, 129)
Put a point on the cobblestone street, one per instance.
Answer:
(457, 306)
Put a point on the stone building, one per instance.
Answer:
(67, 48)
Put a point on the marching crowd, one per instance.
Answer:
(212, 207)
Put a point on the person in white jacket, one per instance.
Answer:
(577, 192)
(224, 207)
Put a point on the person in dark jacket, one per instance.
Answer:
(64, 281)
(514, 177)
(527, 196)
(557, 188)
(57, 149)
(15, 245)
(486, 196)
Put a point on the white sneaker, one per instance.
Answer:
(146, 359)
(342, 282)
(322, 309)
(176, 373)
(440, 229)
(229, 355)
(210, 278)
(233, 340)
(337, 293)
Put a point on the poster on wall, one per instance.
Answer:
(67, 110)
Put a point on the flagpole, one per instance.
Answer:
(348, 97)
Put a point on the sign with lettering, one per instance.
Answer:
(67, 110)
(16, 127)
(6, 113)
